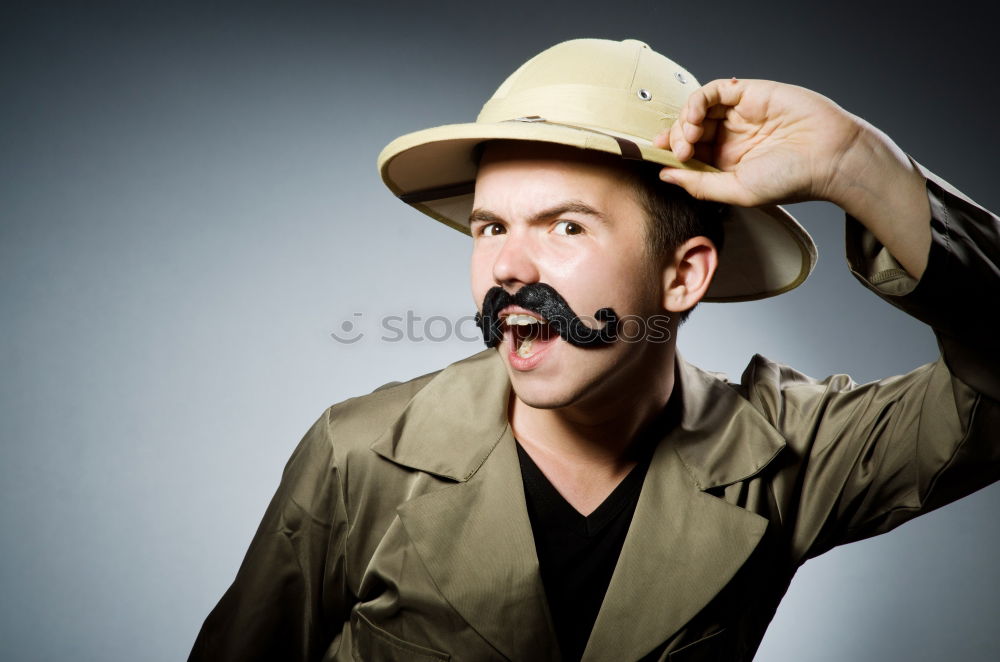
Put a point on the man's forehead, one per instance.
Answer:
(544, 179)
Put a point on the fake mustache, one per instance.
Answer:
(542, 299)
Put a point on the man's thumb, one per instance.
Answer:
(716, 186)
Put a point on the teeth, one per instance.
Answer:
(518, 319)
(524, 351)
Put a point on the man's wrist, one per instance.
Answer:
(876, 183)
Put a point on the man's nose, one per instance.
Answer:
(515, 263)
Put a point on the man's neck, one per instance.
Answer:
(595, 436)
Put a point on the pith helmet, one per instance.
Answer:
(609, 96)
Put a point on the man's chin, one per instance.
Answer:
(544, 401)
(564, 377)
(540, 392)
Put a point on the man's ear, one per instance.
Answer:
(687, 277)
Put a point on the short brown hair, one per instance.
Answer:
(673, 215)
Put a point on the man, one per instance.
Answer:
(580, 491)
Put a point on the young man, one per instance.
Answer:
(578, 491)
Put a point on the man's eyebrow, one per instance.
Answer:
(484, 216)
(574, 206)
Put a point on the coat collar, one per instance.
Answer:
(723, 439)
(452, 424)
(475, 537)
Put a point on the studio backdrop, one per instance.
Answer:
(197, 257)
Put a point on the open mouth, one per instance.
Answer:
(527, 334)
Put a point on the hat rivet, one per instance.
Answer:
(681, 77)
(644, 94)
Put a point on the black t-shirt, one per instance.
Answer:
(577, 554)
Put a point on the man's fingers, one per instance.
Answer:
(710, 128)
(687, 141)
(683, 151)
(719, 92)
(678, 144)
(692, 132)
(701, 114)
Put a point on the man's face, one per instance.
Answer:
(558, 216)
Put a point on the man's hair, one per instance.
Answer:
(673, 215)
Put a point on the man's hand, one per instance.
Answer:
(778, 143)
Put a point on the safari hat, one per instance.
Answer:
(609, 96)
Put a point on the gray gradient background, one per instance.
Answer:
(190, 206)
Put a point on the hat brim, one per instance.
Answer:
(766, 251)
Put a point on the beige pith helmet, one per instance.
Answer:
(609, 96)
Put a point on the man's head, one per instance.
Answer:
(578, 221)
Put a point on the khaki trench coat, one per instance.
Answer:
(400, 532)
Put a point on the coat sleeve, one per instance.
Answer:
(866, 458)
(962, 289)
(289, 600)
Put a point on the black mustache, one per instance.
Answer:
(543, 299)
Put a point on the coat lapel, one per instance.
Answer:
(684, 545)
(475, 540)
(474, 537)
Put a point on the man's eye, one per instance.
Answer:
(492, 229)
(568, 227)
